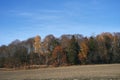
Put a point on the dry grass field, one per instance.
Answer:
(81, 72)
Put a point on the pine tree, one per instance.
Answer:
(72, 52)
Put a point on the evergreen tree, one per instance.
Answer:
(72, 52)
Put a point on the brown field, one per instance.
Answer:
(81, 72)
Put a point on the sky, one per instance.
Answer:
(22, 19)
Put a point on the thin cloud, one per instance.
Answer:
(39, 15)
(25, 14)
(50, 11)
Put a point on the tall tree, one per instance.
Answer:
(72, 51)
(116, 49)
(83, 51)
(93, 56)
(108, 39)
(37, 44)
(59, 56)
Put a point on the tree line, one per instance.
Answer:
(74, 49)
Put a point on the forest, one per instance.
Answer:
(69, 49)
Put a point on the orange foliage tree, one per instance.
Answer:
(83, 52)
(59, 56)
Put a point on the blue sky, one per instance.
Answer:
(22, 19)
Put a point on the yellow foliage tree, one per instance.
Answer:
(83, 52)
(37, 44)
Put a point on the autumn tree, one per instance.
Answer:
(2, 58)
(65, 41)
(108, 40)
(83, 51)
(71, 49)
(102, 51)
(21, 56)
(35, 59)
(39, 50)
(116, 48)
(28, 44)
(59, 56)
(37, 44)
(49, 43)
(5, 59)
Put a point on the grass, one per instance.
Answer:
(81, 72)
